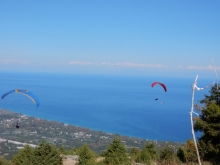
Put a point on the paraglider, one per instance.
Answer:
(155, 83)
(163, 86)
(17, 125)
(24, 92)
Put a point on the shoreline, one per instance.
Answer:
(33, 130)
(97, 130)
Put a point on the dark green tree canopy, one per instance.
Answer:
(24, 157)
(116, 154)
(46, 154)
(214, 96)
(208, 123)
(43, 154)
(86, 156)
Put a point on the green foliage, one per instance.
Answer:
(167, 153)
(151, 148)
(209, 125)
(148, 154)
(214, 96)
(86, 156)
(70, 152)
(61, 150)
(134, 153)
(3, 161)
(100, 163)
(64, 151)
(144, 157)
(46, 154)
(181, 154)
(170, 161)
(116, 153)
(24, 157)
(189, 152)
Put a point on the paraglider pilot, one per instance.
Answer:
(17, 125)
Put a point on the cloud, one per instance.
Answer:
(118, 64)
(210, 67)
(137, 65)
(10, 61)
(80, 63)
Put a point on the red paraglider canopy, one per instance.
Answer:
(164, 87)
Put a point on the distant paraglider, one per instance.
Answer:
(24, 92)
(155, 83)
(161, 84)
(17, 125)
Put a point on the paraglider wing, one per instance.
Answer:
(7, 93)
(24, 92)
(155, 83)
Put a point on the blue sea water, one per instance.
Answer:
(124, 105)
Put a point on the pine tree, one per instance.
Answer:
(86, 156)
(208, 123)
(46, 154)
(214, 96)
(116, 154)
(24, 156)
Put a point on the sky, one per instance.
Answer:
(126, 37)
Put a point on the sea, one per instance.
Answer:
(124, 105)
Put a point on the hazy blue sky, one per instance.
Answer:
(143, 37)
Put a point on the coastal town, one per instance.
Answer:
(33, 130)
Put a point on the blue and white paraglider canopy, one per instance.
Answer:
(24, 92)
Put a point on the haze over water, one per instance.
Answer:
(124, 105)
